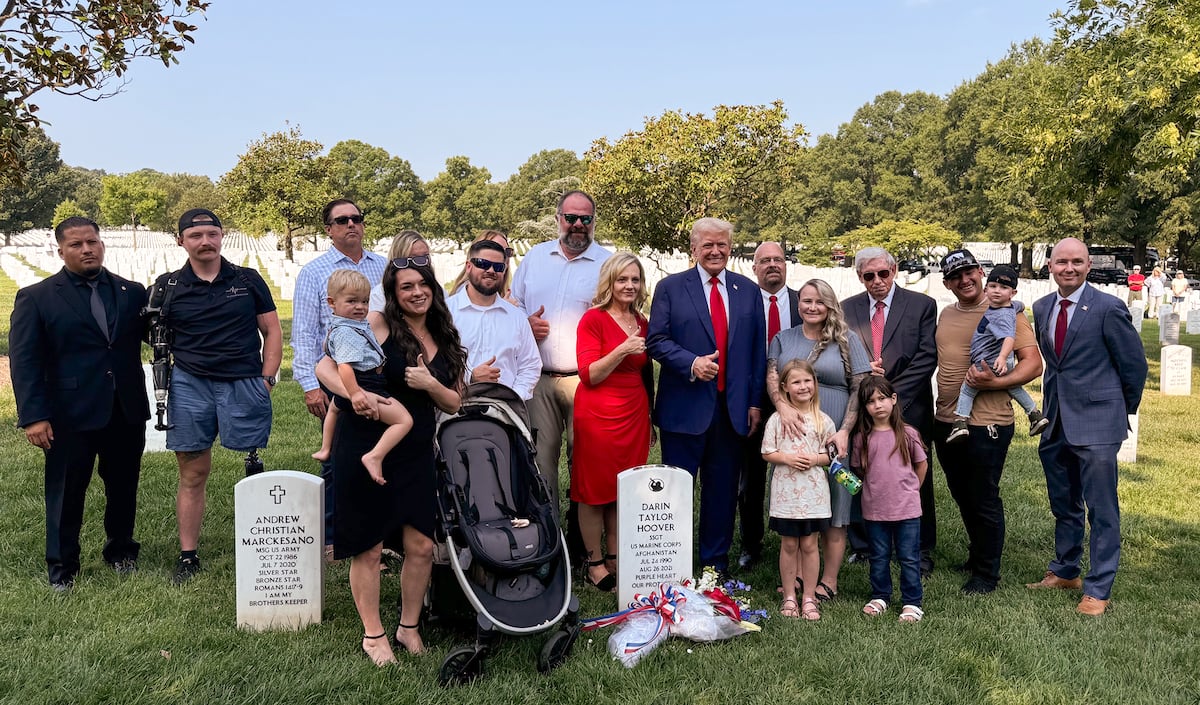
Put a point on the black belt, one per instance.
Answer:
(552, 373)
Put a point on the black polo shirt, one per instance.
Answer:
(215, 324)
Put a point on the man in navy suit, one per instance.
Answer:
(708, 333)
(1095, 373)
(780, 307)
(74, 345)
(907, 353)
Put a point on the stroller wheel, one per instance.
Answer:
(463, 665)
(556, 650)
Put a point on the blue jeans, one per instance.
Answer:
(905, 537)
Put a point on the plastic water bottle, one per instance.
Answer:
(841, 473)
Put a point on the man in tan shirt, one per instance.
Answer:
(973, 469)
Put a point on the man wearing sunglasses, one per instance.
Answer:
(973, 469)
(500, 345)
(311, 315)
(555, 285)
(898, 327)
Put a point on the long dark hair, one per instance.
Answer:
(437, 320)
(867, 389)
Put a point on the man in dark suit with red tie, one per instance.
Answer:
(708, 333)
(74, 346)
(1095, 373)
(780, 306)
(898, 327)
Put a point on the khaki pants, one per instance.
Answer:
(551, 411)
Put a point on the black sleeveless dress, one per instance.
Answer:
(366, 513)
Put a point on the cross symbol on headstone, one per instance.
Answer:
(278, 492)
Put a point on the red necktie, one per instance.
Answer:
(877, 330)
(716, 308)
(773, 319)
(1060, 327)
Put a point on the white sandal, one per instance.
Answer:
(911, 613)
(875, 607)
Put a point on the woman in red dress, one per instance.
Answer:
(612, 407)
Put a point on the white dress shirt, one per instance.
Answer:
(499, 330)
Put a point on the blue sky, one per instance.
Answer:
(498, 82)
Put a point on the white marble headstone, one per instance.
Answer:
(279, 530)
(1136, 314)
(654, 519)
(1164, 310)
(1193, 321)
(1169, 333)
(1176, 365)
(1127, 453)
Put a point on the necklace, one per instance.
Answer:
(631, 327)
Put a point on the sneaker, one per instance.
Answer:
(1037, 422)
(959, 432)
(125, 566)
(185, 568)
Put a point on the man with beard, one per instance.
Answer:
(780, 306)
(500, 345)
(554, 286)
(228, 346)
(1095, 374)
(898, 327)
(973, 468)
(75, 346)
(708, 333)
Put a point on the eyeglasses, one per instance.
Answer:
(571, 218)
(344, 219)
(882, 274)
(508, 252)
(406, 262)
(486, 264)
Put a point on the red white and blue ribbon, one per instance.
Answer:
(663, 603)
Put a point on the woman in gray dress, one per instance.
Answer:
(840, 360)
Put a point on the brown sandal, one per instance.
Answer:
(793, 611)
(811, 611)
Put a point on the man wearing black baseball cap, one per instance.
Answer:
(973, 468)
(227, 345)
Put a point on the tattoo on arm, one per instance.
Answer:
(773, 382)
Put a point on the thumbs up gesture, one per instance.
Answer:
(539, 325)
(705, 367)
(418, 376)
(486, 371)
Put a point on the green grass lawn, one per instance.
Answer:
(141, 640)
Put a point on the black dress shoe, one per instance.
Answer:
(62, 586)
(747, 560)
(978, 586)
(125, 566)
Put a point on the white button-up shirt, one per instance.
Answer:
(499, 330)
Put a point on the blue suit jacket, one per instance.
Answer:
(64, 369)
(1098, 381)
(681, 329)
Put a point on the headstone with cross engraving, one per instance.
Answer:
(654, 522)
(279, 530)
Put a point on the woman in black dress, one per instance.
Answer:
(424, 369)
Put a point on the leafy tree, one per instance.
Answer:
(545, 226)
(524, 196)
(905, 239)
(279, 184)
(83, 186)
(131, 198)
(459, 201)
(1119, 132)
(385, 187)
(67, 209)
(652, 185)
(78, 47)
(184, 192)
(29, 202)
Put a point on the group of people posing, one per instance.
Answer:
(752, 375)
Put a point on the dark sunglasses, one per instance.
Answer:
(486, 264)
(882, 274)
(571, 218)
(344, 219)
(508, 252)
(406, 262)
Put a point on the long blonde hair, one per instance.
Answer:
(461, 279)
(835, 329)
(403, 243)
(609, 271)
(814, 408)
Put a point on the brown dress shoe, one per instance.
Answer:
(1091, 606)
(1053, 581)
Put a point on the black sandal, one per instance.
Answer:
(366, 653)
(824, 593)
(400, 645)
(607, 584)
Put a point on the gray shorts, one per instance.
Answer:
(200, 409)
(839, 503)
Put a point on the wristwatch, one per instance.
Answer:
(269, 379)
